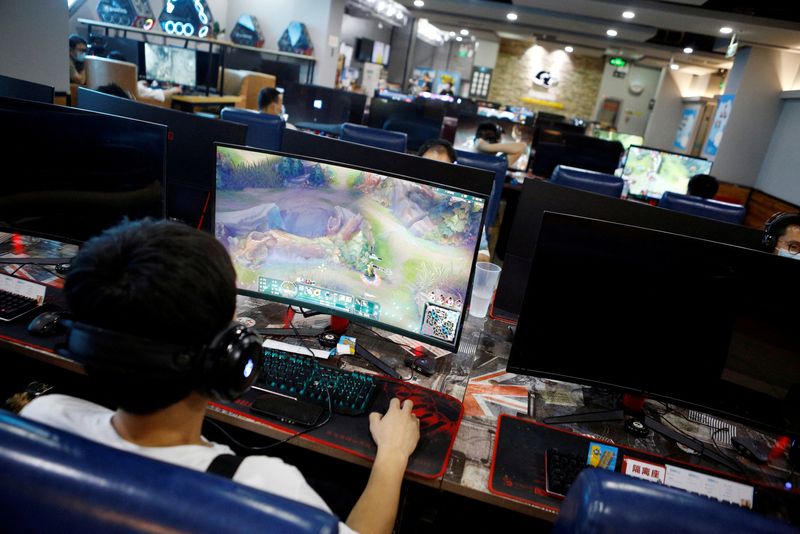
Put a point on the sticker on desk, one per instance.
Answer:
(602, 455)
(644, 470)
(710, 486)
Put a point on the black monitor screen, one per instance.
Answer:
(170, 64)
(73, 173)
(389, 251)
(36, 92)
(512, 132)
(675, 317)
(313, 103)
(419, 120)
(190, 151)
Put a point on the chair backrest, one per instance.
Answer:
(498, 165)
(51, 480)
(602, 501)
(365, 135)
(246, 83)
(263, 130)
(596, 182)
(103, 71)
(711, 209)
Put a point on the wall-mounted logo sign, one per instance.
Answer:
(137, 13)
(186, 18)
(545, 79)
(617, 62)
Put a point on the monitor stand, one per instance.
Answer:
(649, 422)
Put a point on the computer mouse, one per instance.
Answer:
(47, 323)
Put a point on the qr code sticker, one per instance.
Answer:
(439, 322)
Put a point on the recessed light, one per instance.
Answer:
(688, 50)
(464, 32)
(726, 30)
(419, 3)
(459, 39)
(452, 34)
(611, 32)
(511, 16)
(674, 66)
(568, 49)
(628, 14)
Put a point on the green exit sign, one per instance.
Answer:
(617, 62)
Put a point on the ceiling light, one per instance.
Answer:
(419, 3)
(464, 32)
(628, 14)
(688, 50)
(611, 32)
(674, 66)
(459, 39)
(452, 34)
(511, 16)
(568, 49)
(726, 30)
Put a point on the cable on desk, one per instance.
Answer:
(267, 447)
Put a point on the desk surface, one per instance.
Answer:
(476, 375)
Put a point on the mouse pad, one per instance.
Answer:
(439, 417)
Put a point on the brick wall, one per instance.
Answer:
(518, 62)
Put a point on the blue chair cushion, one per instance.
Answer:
(51, 480)
(365, 135)
(263, 130)
(602, 501)
(596, 182)
(496, 164)
(711, 209)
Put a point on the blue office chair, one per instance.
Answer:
(602, 501)
(498, 165)
(365, 135)
(711, 209)
(263, 130)
(418, 131)
(51, 480)
(595, 182)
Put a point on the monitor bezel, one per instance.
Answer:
(627, 153)
(389, 328)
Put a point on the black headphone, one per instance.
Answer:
(224, 369)
(775, 225)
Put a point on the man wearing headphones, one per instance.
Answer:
(487, 138)
(782, 235)
(153, 303)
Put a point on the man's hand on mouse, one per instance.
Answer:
(396, 432)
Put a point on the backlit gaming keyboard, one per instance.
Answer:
(13, 305)
(303, 378)
(561, 470)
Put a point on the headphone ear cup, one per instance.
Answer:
(231, 362)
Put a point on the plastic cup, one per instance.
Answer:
(486, 277)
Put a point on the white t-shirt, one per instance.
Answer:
(93, 422)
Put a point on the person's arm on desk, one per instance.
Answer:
(396, 434)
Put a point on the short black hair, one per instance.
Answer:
(116, 54)
(489, 131)
(115, 90)
(75, 40)
(440, 145)
(703, 186)
(267, 96)
(161, 280)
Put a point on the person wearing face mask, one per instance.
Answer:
(782, 235)
(77, 57)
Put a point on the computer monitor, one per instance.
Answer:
(386, 250)
(25, 90)
(709, 333)
(73, 173)
(626, 139)
(650, 172)
(512, 132)
(190, 151)
(380, 53)
(419, 120)
(321, 105)
(538, 197)
(170, 64)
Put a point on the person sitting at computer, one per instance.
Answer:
(176, 286)
(442, 150)
(270, 101)
(703, 186)
(77, 58)
(487, 139)
(782, 235)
